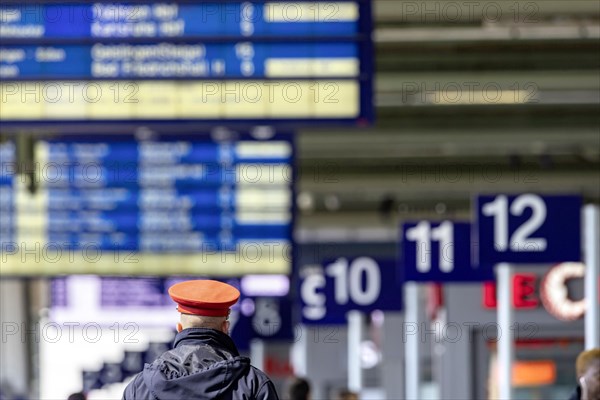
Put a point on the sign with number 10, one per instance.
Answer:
(363, 284)
(528, 228)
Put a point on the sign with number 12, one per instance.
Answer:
(528, 228)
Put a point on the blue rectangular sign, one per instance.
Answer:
(168, 61)
(364, 284)
(528, 228)
(193, 196)
(177, 20)
(439, 252)
(244, 62)
(7, 198)
(266, 318)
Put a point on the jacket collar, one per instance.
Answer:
(206, 336)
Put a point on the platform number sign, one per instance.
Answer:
(528, 228)
(423, 234)
(328, 293)
(359, 281)
(438, 252)
(265, 318)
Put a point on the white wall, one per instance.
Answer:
(13, 349)
(66, 351)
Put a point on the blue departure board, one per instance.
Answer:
(178, 20)
(7, 172)
(196, 61)
(159, 206)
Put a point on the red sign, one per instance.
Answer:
(529, 291)
(524, 292)
(278, 367)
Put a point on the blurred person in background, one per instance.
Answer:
(299, 389)
(346, 394)
(204, 363)
(588, 376)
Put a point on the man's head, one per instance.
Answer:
(204, 304)
(588, 374)
(197, 321)
(299, 389)
(346, 394)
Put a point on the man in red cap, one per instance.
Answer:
(204, 363)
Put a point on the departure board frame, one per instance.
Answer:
(318, 103)
(45, 256)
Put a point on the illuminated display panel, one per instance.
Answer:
(159, 206)
(181, 100)
(192, 61)
(7, 206)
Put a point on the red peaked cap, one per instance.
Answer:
(204, 297)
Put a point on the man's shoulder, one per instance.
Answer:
(259, 373)
(255, 379)
(576, 394)
(135, 388)
(265, 389)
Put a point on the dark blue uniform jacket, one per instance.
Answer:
(204, 364)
